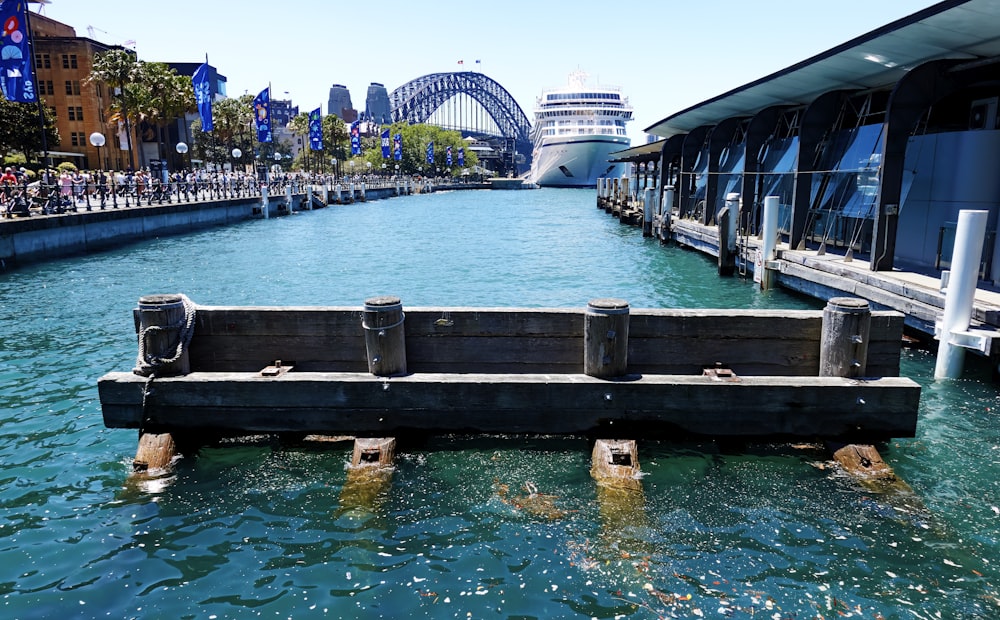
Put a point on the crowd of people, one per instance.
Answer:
(61, 191)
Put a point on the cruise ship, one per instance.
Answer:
(576, 127)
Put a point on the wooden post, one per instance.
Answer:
(384, 336)
(156, 451)
(615, 463)
(605, 338)
(161, 321)
(647, 212)
(370, 472)
(844, 341)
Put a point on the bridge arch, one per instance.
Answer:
(417, 100)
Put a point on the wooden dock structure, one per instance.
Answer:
(605, 371)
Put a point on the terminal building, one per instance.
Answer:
(873, 147)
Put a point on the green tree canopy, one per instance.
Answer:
(20, 130)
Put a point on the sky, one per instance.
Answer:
(666, 55)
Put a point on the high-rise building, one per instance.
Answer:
(282, 112)
(340, 104)
(377, 108)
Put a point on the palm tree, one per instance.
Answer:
(299, 125)
(119, 69)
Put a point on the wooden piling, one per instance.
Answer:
(369, 473)
(384, 337)
(156, 451)
(844, 339)
(615, 463)
(605, 338)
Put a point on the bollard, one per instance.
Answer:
(647, 212)
(264, 202)
(605, 338)
(384, 336)
(165, 325)
(843, 349)
(769, 242)
(326, 195)
(288, 197)
(961, 294)
(362, 189)
(728, 221)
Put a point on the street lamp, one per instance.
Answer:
(333, 163)
(181, 149)
(352, 167)
(237, 153)
(369, 164)
(97, 139)
(397, 170)
(383, 169)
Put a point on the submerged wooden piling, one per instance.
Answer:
(384, 338)
(615, 463)
(605, 338)
(370, 472)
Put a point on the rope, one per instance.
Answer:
(147, 364)
(402, 317)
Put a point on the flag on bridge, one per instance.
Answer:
(430, 153)
(262, 115)
(16, 78)
(356, 138)
(201, 82)
(397, 147)
(385, 144)
(447, 155)
(316, 130)
(461, 157)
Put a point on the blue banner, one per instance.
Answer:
(385, 144)
(430, 153)
(316, 130)
(16, 78)
(461, 155)
(356, 138)
(262, 115)
(397, 147)
(447, 156)
(203, 96)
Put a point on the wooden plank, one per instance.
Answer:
(358, 403)
(320, 339)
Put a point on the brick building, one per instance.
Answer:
(62, 63)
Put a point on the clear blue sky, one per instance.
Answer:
(666, 55)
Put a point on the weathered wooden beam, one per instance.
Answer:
(361, 404)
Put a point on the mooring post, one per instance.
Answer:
(161, 323)
(961, 292)
(605, 338)
(288, 197)
(728, 222)
(843, 349)
(164, 329)
(769, 242)
(350, 192)
(384, 336)
(615, 463)
(309, 198)
(338, 190)
(362, 192)
(647, 212)
(264, 202)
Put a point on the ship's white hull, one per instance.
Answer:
(576, 161)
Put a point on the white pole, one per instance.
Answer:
(961, 293)
(309, 198)
(769, 240)
(264, 201)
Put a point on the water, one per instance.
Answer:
(262, 530)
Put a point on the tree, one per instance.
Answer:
(335, 137)
(166, 96)
(119, 69)
(233, 128)
(415, 141)
(20, 130)
(299, 125)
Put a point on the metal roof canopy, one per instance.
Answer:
(646, 152)
(961, 29)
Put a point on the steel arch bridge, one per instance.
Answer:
(445, 99)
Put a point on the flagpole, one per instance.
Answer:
(34, 72)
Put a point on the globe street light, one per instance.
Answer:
(333, 162)
(236, 155)
(97, 139)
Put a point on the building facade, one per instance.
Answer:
(340, 104)
(62, 65)
(377, 108)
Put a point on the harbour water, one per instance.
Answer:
(259, 530)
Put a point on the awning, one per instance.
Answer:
(65, 154)
(638, 154)
(961, 29)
